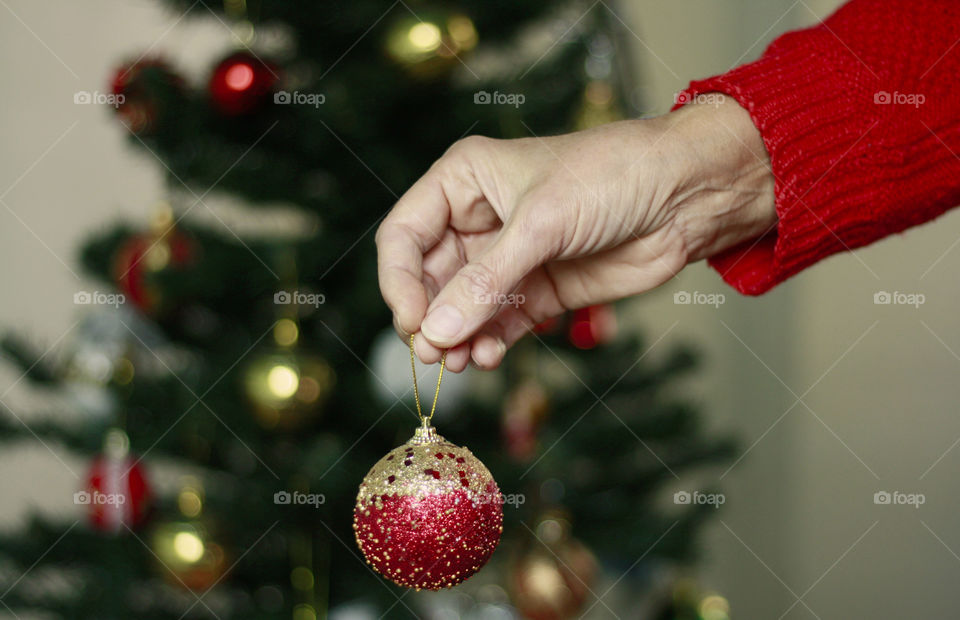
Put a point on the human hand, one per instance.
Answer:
(499, 235)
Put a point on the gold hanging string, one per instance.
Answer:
(416, 390)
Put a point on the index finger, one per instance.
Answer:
(414, 226)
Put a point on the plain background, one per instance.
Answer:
(834, 397)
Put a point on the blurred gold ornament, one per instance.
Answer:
(286, 387)
(714, 607)
(304, 612)
(430, 43)
(186, 552)
(552, 579)
(599, 106)
(687, 600)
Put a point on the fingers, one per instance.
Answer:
(477, 291)
(458, 358)
(536, 302)
(413, 227)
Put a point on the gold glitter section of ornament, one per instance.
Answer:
(427, 464)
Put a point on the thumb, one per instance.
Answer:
(475, 293)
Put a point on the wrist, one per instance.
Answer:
(725, 194)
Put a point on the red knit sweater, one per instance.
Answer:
(861, 117)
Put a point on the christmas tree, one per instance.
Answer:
(240, 376)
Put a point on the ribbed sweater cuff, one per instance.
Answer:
(808, 123)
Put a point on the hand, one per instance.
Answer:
(500, 235)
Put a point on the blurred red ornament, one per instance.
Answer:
(144, 91)
(524, 411)
(592, 326)
(117, 494)
(428, 514)
(146, 254)
(241, 83)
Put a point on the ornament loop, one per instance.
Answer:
(416, 390)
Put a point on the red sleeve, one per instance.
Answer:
(861, 117)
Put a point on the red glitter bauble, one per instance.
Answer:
(241, 83)
(117, 493)
(429, 514)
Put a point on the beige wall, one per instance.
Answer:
(804, 493)
(882, 407)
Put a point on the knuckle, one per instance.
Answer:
(479, 280)
(465, 147)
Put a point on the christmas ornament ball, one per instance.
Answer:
(554, 576)
(241, 83)
(429, 514)
(117, 493)
(143, 256)
(524, 410)
(185, 548)
(145, 93)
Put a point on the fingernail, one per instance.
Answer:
(443, 323)
(482, 349)
(396, 326)
(501, 347)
